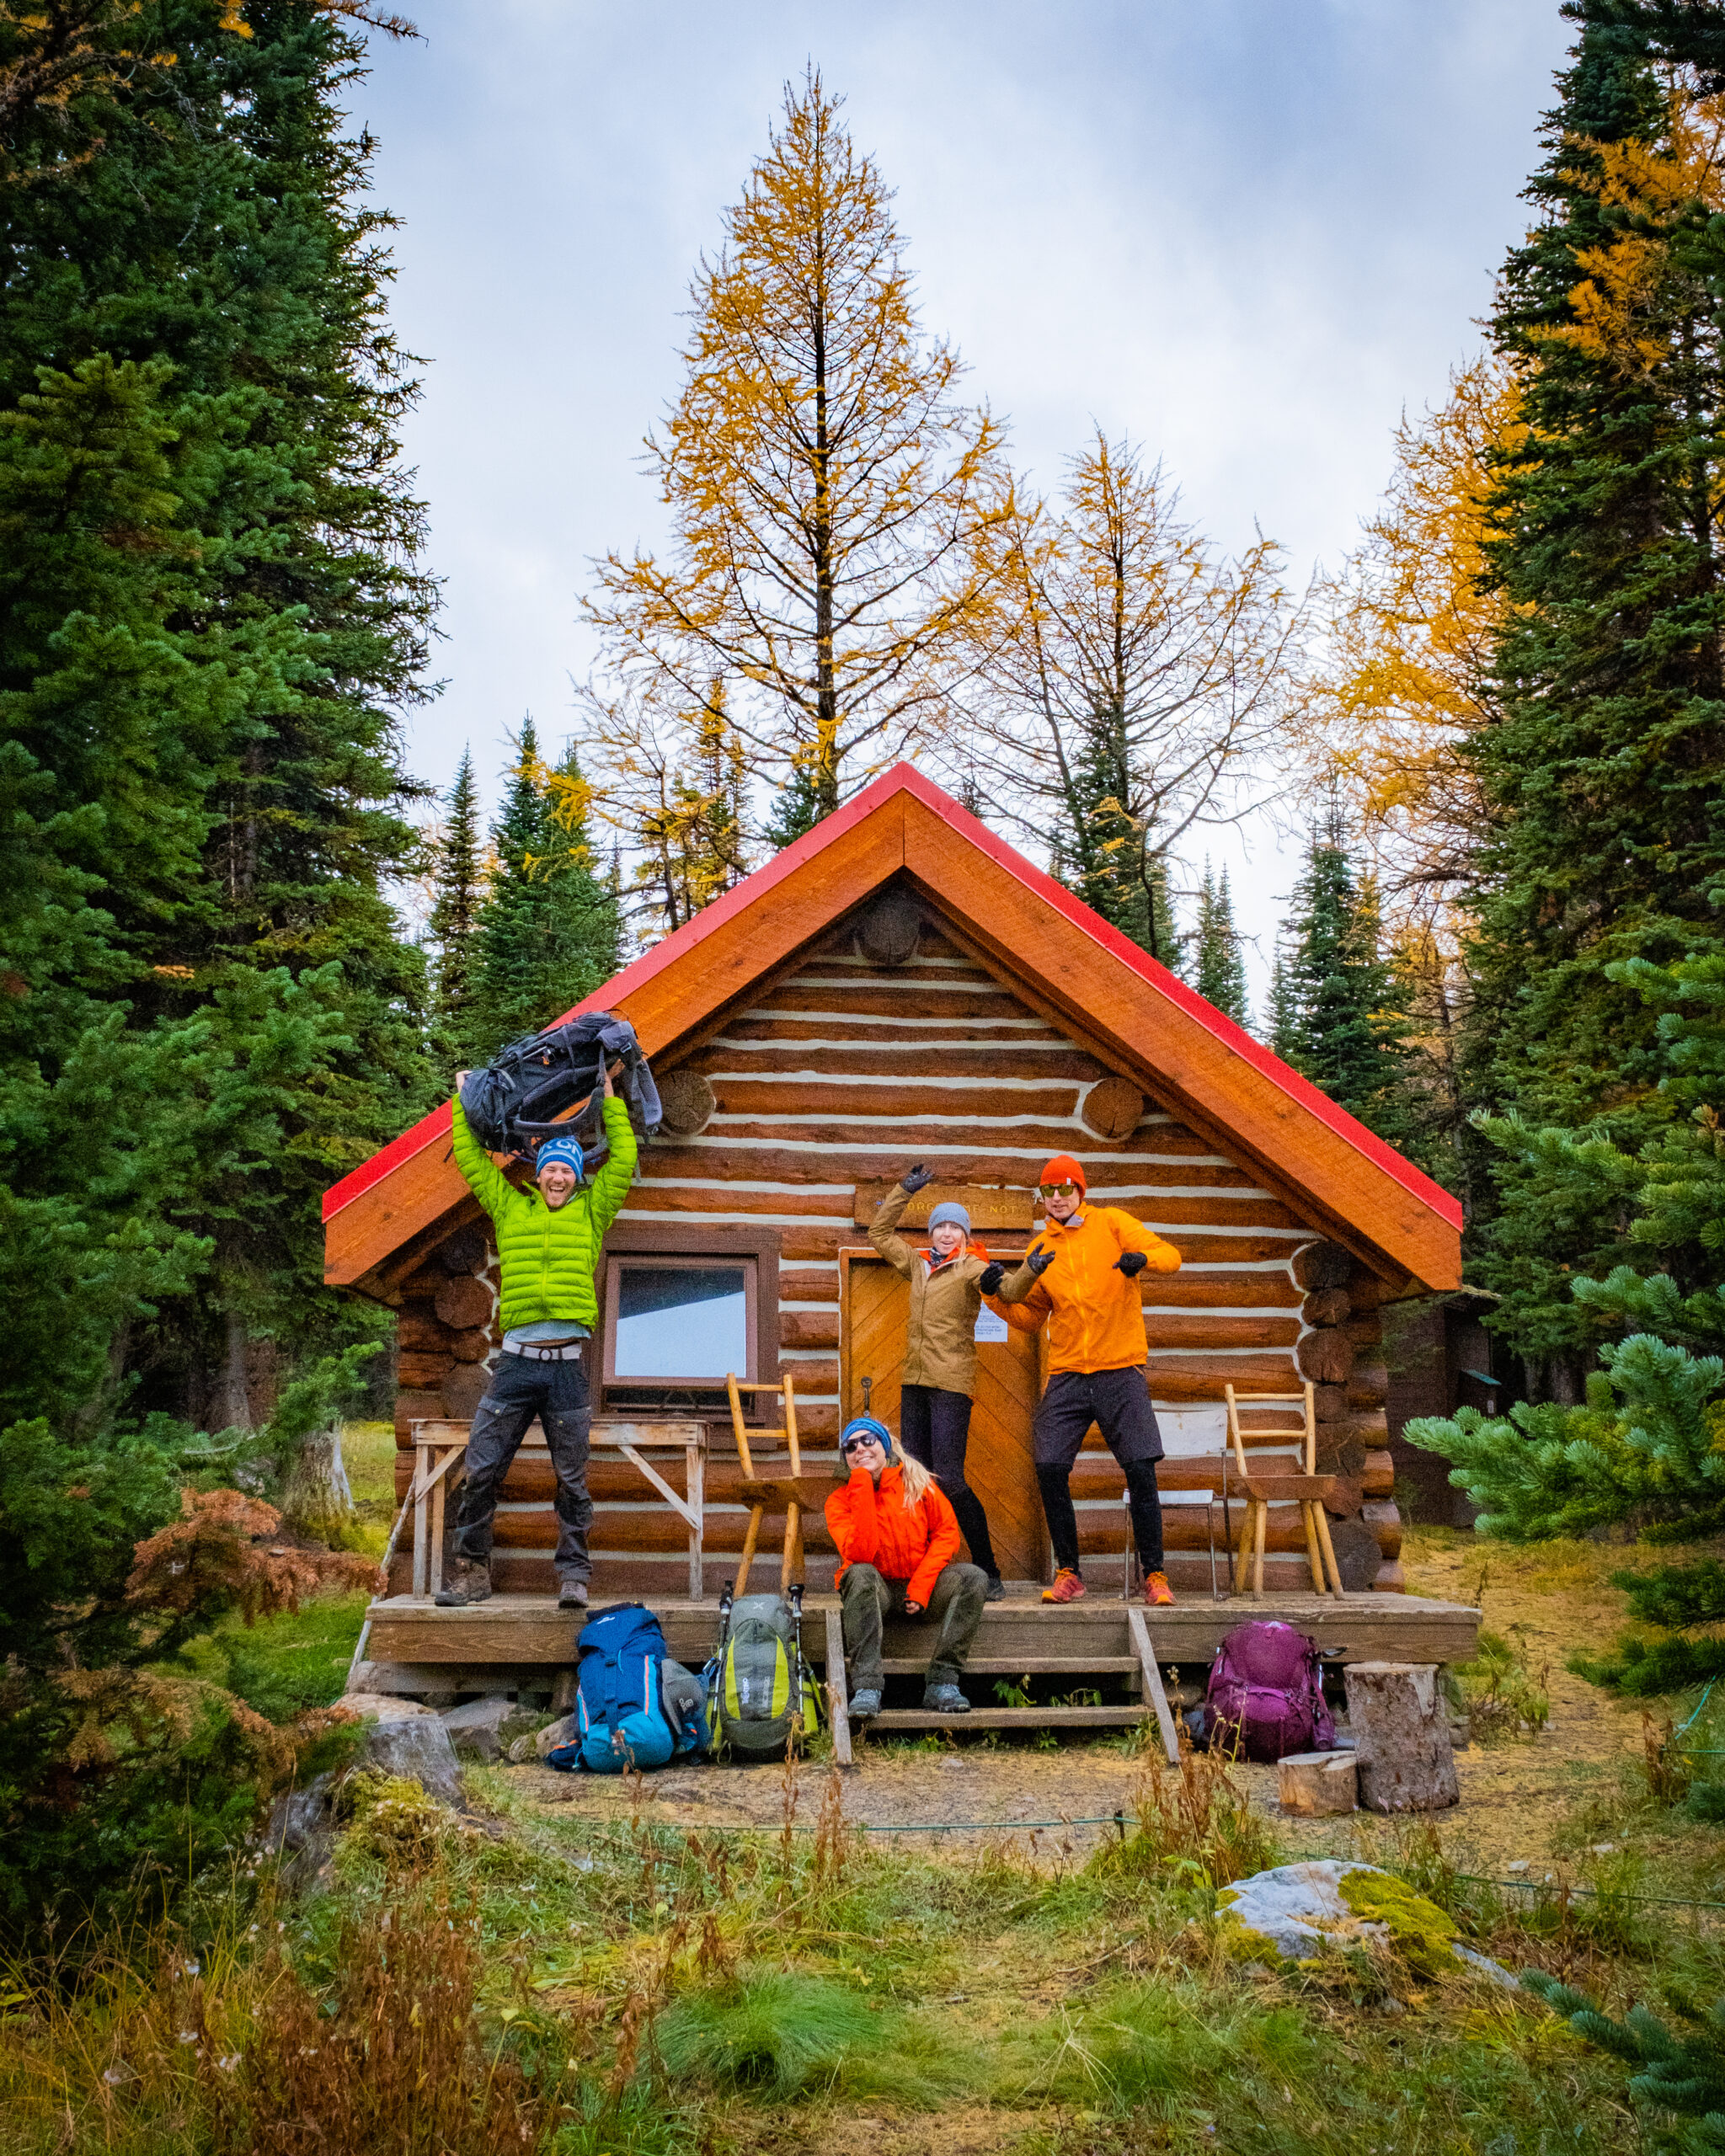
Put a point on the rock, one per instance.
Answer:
(1315, 1784)
(564, 1731)
(406, 1739)
(476, 1726)
(300, 1832)
(1298, 1910)
(1400, 1729)
(520, 1752)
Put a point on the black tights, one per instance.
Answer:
(1055, 1481)
(933, 1426)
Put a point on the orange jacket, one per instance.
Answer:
(914, 1543)
(1094, 1315)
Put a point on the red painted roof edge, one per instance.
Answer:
(907, 779)
(436, 1125)
(1263, 1061)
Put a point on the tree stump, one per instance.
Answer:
(1315, 1784)
(1112, 1108)
(1401, 1736)
(318, 1499)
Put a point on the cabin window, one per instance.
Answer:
(681, 1303)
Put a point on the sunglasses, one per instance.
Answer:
(1062, 1189)
(857, 1444)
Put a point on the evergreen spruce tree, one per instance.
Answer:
(796, 808)
(1219, 968)
(1600, 768)
(1332, 1004)
(193, 268)
(1108, 857)
(457, 895)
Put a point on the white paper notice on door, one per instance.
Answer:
(990, 1325)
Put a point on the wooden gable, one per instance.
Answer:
(1109, 1000)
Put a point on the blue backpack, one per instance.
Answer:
(619, 1711)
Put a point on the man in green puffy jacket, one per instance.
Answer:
(548, 1240)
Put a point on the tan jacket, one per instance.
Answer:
(941, 1350)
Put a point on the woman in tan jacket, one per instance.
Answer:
(940, 1352)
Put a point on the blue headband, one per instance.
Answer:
(560, 1149)
(865, 1426)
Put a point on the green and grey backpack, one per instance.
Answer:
(760, 1687)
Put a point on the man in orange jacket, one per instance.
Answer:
(897, 1537)
(1080, 1279)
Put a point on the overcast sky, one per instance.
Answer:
(1248, 233)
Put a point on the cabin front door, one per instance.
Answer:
(875, 1307)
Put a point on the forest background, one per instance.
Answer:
(245, 943)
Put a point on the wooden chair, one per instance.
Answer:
(1263, 1486)
(793, 1494)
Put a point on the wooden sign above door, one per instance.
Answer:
(988, 1206)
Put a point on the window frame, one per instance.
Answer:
(696, 1244)
(667, 1261)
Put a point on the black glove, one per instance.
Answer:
(1040, 1261)
(916, 1178)
(991, 1277)
(1131, 1263)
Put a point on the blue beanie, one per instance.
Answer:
(947, 1210)
(560, 1149)
(865, 1426)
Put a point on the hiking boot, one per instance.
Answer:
(996, 1591)
(944, 1700)
(466, 1581)
(572, 1595)
(864, 1705)
(1157, 1591)
(1067, 1586)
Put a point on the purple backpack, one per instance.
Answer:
(1265, 1698)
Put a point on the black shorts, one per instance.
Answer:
(1118, 1401)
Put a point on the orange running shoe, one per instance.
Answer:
(1067, 1586)
(1157, 1591)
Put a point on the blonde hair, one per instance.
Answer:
(917, 1478)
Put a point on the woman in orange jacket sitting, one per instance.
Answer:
(898, 1541)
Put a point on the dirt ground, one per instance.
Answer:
(1520, 1798)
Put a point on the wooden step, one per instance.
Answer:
(891, 1718)
(1033, 1665)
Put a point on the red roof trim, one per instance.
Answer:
(431, 1128)
(905, 778)
(1216, 1022)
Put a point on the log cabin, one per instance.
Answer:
(901, 985)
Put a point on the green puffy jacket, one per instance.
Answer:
(548, 1256)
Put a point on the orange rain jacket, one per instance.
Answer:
(1094, 1315)
(914, 1543)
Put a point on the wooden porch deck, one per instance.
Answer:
(522, 1639)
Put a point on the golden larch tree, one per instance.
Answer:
(826, 485)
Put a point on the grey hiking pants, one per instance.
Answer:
(868, 1600)
(522, 1388)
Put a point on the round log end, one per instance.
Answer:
(1112, 1108)
(462, 1390)
(464, 1303)
(465, 1251)
(888, 931)
(687, 1101)
(1326, 1356)
(1322, 1265)
(1325, 1306)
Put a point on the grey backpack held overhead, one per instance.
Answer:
(516, 1099)
(759, 1689)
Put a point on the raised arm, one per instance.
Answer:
(610, 1186)
(897, 1252)
(484, 1178)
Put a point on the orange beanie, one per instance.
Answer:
(1063, 1168)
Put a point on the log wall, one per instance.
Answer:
(841, 1074)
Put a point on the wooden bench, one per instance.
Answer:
(439, 1447)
